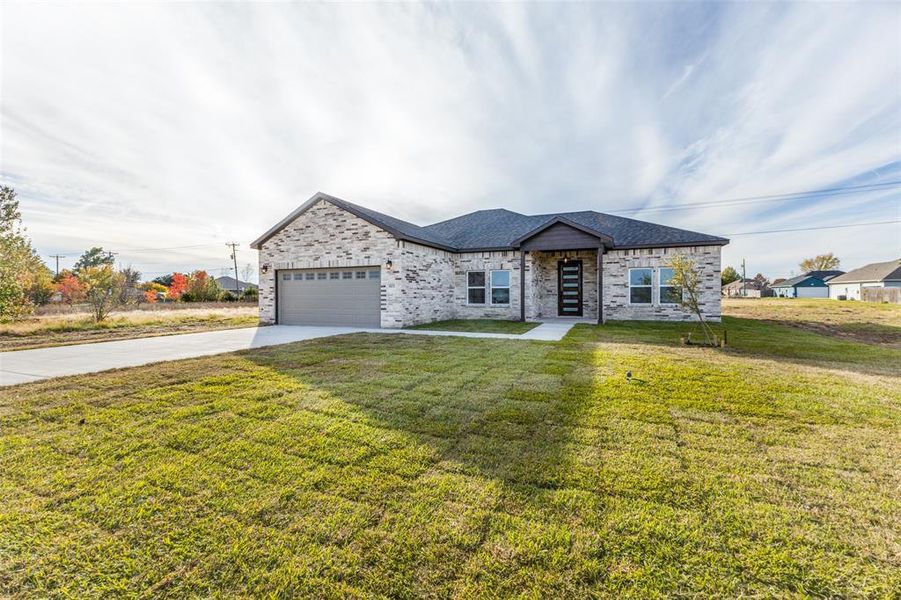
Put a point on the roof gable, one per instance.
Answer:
(396, 227)
(561, 233)
(884, 271)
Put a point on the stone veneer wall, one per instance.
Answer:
(542, 302)
(327, 236)
(616, 283)
(427, 290)
(486, 261)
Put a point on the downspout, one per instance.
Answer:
(522, 285)
(600, 285)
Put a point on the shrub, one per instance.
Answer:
(70, 288)
(178, 286)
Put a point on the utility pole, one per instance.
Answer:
(744, 280)
(234, 246)
(57, 257)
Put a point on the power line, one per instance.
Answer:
(814, 228)
(130, 251)
(234, 247)
(873, 187)
(57, 257)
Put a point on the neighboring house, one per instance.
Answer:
(228, 284)
(749, 288)
(333, 262)
(876, 275)
(809, 285)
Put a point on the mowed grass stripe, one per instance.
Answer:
(409, 466)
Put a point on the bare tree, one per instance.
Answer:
(131, 278)
(247, 272)
(687, 276)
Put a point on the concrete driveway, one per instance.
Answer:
(23, 366)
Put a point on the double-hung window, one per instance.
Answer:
(475, 287)
(669, 294)
(488, 287)
(640, 285)
(500, 287)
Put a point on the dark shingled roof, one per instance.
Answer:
(499, 229)
(792, 282)
(884, 271)
(824, 275)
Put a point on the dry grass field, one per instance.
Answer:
(861, 321)
(59, 330)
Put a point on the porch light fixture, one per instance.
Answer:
(264, 269)
(389, 264)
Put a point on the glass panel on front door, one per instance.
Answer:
(569, 288)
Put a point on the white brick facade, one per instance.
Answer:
(426, 284)
(616, 283)
(417, 289)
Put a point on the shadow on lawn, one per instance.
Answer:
(756, 339)
(510, 462)
(480, 431)
(489, 408)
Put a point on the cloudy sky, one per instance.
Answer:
(161, 131)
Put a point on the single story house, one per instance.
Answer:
(228, 284)
(749, 288)
(337, 263)
(875, 275)
(809, 285)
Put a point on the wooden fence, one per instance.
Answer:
(892, 295)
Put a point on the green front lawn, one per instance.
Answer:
(407, 466)
(479, 325)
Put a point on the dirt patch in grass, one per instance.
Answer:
(62, 330)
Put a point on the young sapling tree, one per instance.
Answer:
(687, 277)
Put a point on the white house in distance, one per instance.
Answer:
(808, 285)
(875, 275)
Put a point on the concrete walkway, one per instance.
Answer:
(22, 366)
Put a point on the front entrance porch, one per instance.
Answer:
(561, 284)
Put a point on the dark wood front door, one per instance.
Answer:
(569, 288)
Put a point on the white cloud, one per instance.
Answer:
(161, 125)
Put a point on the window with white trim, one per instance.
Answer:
(475, 287)
(669, 294)
(640, 285)
(500, 287)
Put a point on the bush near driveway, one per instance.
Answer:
(405, 466)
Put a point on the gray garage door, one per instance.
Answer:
(329, 297)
